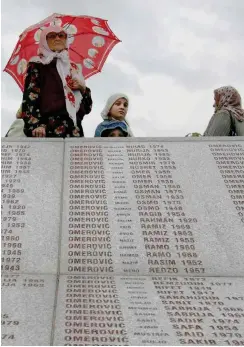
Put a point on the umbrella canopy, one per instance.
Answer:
(90, 42)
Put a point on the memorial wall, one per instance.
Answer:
(126, 242)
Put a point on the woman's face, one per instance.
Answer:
(119, 109)
(56, 41)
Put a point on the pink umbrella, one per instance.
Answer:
(90, 41)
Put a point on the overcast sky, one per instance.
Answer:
(172, 55)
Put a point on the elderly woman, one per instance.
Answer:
(55, 97)
(228, 118)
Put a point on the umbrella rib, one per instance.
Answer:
(81, 56)
(71, 22)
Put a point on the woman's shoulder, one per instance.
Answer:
(223, 112)
(110, 123)
(100, 127)
(104, 122)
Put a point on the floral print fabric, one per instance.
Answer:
(57, 124)
(66, 69)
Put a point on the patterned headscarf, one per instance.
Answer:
(66, 69)
(111, 100)
(229, 99)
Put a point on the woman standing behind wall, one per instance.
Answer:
(228, 118)
(116, 109)
(55, 96)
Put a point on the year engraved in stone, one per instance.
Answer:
(148, 194)
(16, 163)
(8, 324)
(185, 314)
(180, 226)
(198, 310)
(168, 233)
(33, 283)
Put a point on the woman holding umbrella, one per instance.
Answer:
(55, 97)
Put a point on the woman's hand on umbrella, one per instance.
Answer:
(76, 85)
(39, 132)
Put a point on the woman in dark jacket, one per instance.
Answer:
(55, 97)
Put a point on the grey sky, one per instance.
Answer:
(173, 54)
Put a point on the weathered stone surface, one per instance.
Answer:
(144, 310)
(151, 207)
(31, 194)
(27, 309)
(133, 242)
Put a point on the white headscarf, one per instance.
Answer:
(66, 69)
(111, 100)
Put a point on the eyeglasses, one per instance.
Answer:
(52, 36)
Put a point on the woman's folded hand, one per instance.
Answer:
(39, 132)
(77, 85)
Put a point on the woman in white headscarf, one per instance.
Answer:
(55, 97)
(116, 109)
